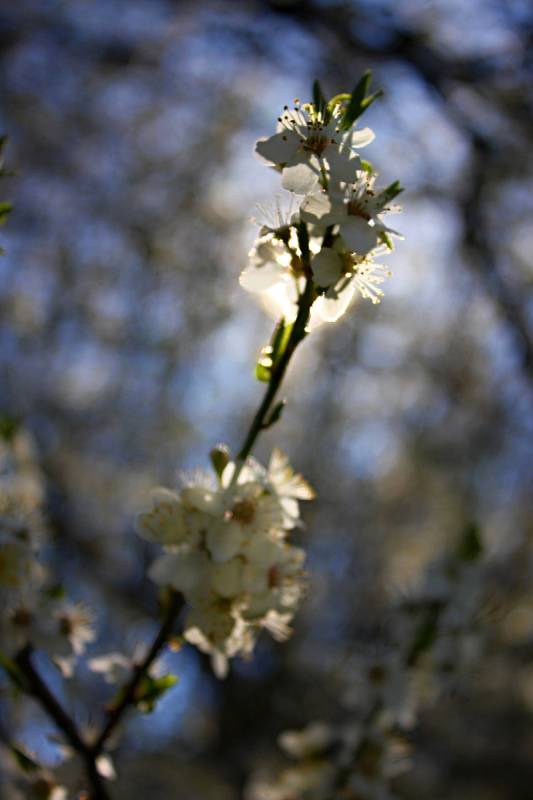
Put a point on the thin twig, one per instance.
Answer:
(38, 689)
(140, 671)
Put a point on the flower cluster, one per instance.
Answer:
(34, 613)
(316, 150)
(434, 630)
(226, 551)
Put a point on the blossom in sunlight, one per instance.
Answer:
(272, 261)
(277, 216)
(306, 145)
(342, 275)
(226, 550)
(339, 217)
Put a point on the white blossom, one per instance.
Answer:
(305, 146)
(226, 551)
(114, 667)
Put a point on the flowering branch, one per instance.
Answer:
(226, 543)
(297, 334)
(128, 695)
(37, 688)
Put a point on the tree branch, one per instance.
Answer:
(38, 689)
(139, 673)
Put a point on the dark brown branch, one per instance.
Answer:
(89, 752)
(38, 689)
(139, 673)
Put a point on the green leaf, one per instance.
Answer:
(359, 101)
(5, 209)
(271, 354)
(275, 414)
(276, 342)
(151, 690)
(319, 101)
(279, 341)
(470, 546)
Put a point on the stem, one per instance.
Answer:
(89, 752)
(297, 334)
(40, 691)
(140, 671)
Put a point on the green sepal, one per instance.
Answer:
(359, 101)
(151, 690)
(367, 166)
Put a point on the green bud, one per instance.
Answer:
(220, 457)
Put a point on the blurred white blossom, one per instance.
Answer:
(226, 551)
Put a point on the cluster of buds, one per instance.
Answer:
(227, 551)
(33, 614)
(334, 198)
(438, 625)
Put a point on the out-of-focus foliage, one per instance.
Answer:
(127, 347)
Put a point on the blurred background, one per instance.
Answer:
(127, 347)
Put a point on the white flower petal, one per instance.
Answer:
(263, 551)
(182, 571)
(327, 267)
(225, 540)
(332, 306)
(277, 149)
(316, 207)
(343, 166)
(287, 482)
(259, 279)
(227, 578)
(300, 179)
(360, 237)
(361, 137)
(199, 498)
(281, 300)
